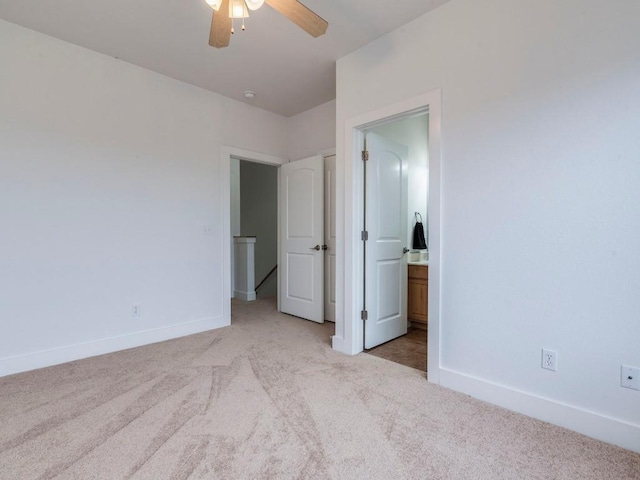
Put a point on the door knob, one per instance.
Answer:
(325, 247)
(405, 250)
(317, 247)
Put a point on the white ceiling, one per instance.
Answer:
(289, 70)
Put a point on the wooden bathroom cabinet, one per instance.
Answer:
(418, 301)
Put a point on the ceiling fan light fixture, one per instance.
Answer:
(215, 4)
(254, 4)
(222, 25)
(238, 9)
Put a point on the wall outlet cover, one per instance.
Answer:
(630, 377)
(549, 360)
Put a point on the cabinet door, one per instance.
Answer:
(418, 289)
(418, 299)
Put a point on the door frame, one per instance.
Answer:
(226, 153)
(349, 328)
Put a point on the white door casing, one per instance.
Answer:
(330, 238)
(301, 238)
(386, 223)
(349, 327)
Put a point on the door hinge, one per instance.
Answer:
(365, 155)
(364, 315)
(364, 235)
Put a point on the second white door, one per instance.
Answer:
(301, 219)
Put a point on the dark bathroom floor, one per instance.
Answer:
(409, 350)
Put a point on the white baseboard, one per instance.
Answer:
(337, 343)
(47, 358)
(244, 296)
(607, 429)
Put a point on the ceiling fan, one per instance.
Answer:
(227, 10)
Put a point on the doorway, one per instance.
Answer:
(254, 213)
(227, 156)
(396, 176)
(229, 174)
(349, 326)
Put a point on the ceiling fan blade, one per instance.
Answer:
(220, 27)
(300, 15)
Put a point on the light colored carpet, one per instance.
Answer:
(268, 398)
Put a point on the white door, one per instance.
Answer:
(386, 224)
(330, 238)
(301, 238)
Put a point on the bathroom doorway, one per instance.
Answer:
(395, 259)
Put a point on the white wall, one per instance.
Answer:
(412, 132)
(312, 132)
(540, 175)
(109, 195)
(259, 218)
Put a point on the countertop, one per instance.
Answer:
(420, 262)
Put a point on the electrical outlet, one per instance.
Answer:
(549, 359)
(135, 310)
(630, 377)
